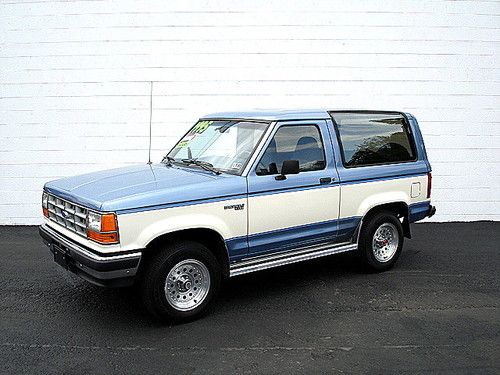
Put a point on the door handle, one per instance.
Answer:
(325, 180)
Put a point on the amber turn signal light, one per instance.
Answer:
(108, 223)
(107, 238)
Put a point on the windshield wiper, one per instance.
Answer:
(202, 164)
(168, 160)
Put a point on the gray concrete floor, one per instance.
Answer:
(436, 311)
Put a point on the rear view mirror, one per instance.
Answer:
(288, 167)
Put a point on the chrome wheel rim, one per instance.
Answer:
(385, 242)
(187, 285)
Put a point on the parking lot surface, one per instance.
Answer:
(436, 311)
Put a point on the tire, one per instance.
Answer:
(381, 241)
(194, 280)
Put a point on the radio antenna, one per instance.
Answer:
(150, 118)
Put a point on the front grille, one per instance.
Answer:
(69, 215)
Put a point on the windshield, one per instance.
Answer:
(224, 144)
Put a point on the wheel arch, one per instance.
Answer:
(399, 208)
(210, 238)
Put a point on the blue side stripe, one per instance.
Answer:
(237, 248)
(292, 237)
(361, 181)
(181, 204)
(323, 186)
(289, 238)
(289, 190)
(347, 226)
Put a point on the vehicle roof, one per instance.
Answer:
(279, 114)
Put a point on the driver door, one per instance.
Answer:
(301, 209)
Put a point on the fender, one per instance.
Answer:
(405, 223)
(180, 223)
(140, 228)
(379, 199)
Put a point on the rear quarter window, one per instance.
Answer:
(373, 138)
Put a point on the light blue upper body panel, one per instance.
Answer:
(272, 115)
(142, 186)
(277, 115)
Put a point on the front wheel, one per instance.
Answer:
(180, 281)
(381, 241)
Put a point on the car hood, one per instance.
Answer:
(141, 186)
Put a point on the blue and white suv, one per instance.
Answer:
(243, 192)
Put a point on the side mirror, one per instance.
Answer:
(288, 167)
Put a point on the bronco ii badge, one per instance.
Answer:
(236, 207)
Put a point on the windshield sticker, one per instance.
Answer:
(236, 166)
(188, 138)
(201, 127)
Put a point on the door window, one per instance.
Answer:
(294, 142)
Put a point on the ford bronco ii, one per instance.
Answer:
(243, 192)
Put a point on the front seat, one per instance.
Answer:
(308, 153)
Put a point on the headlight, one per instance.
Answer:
(45, 199)
(94, 221)
(102, 228)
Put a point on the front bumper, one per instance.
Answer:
(99, 269)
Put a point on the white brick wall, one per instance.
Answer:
(74, 90)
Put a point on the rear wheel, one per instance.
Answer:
(381, 241)
(180, 281)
